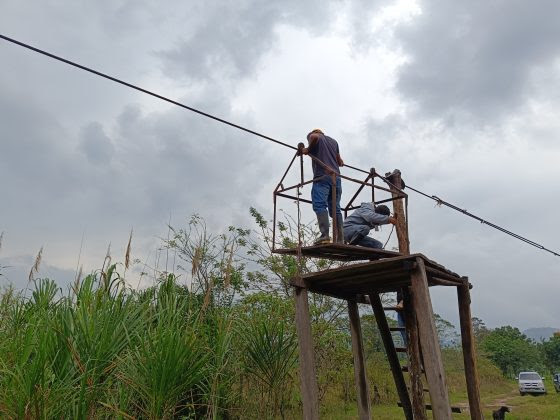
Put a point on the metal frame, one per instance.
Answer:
(281, 191)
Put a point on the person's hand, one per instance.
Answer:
(393, 220)
(305, 151)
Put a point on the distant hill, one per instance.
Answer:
(540, 334)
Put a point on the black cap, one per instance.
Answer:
(383, 209)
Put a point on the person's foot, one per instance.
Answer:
(322, 240)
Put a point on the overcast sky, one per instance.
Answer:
(463, 97)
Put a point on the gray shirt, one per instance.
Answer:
(366, 215)
(325, 149)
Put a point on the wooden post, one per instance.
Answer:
(392, 357)
(413, 345)
(398, 211)
(414, 358)
(362, 392)
(433, 361)
(308, 378)
(469, 351)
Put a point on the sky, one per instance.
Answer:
(462, 97)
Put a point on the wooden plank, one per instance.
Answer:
(442, 282)
(391, 354)
(414, 357)
(308, 377)
(433, 362)
(362, 390)
(469, 351)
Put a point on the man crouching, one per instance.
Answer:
(362, 220)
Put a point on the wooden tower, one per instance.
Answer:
(362, 283)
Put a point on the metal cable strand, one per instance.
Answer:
(138, 88)
(441, 202)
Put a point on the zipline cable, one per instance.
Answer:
(441, 202)
(223, 121)
(138, 88)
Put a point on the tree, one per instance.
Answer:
(446, 331)
(512, 351)
(479, 328)
(551, 350)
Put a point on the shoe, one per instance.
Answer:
(323, 222)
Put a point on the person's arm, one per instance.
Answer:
(339, 160)
(379, 219)
(312, 141)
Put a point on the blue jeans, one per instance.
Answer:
(321, 195)
(357, 235)
(369, 242)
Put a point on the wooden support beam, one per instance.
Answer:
(414, 358)
(308, 377)
(413, 343)
(391, 354)
(431, 351)
(398, 211)
(469, 351)
(362, 389)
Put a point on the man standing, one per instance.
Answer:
(362, 220)
(325, 149)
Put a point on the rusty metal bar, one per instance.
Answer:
(372, 176)
(293, 198)
(294, 186)
(286, 173)
(274, 223)
(333, 204)
(356, 194)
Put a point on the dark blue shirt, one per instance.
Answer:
(325, 149)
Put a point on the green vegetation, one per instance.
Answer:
(213, 338)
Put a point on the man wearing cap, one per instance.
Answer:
(362, 220)
(326, 162)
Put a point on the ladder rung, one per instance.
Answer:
(397, 328)
(429, 407)
(423, 389)
(405, 369)
(392, 308)
(400, 349)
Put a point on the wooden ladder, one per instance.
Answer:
(414, 367)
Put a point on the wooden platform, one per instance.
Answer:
(340, 252)
(383, 275)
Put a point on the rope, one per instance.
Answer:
(390, 233)
(239, 127)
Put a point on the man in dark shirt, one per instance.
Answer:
(325, 149)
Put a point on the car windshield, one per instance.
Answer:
(529, 377)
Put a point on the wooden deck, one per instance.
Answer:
(340, 252)
(383, 275)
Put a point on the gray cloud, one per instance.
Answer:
(96, 145)
(476, 58)
(228, 38)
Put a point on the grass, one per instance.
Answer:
(104, 351)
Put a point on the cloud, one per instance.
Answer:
(96, 145)
(476, 59)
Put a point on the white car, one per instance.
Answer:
(531, 383)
